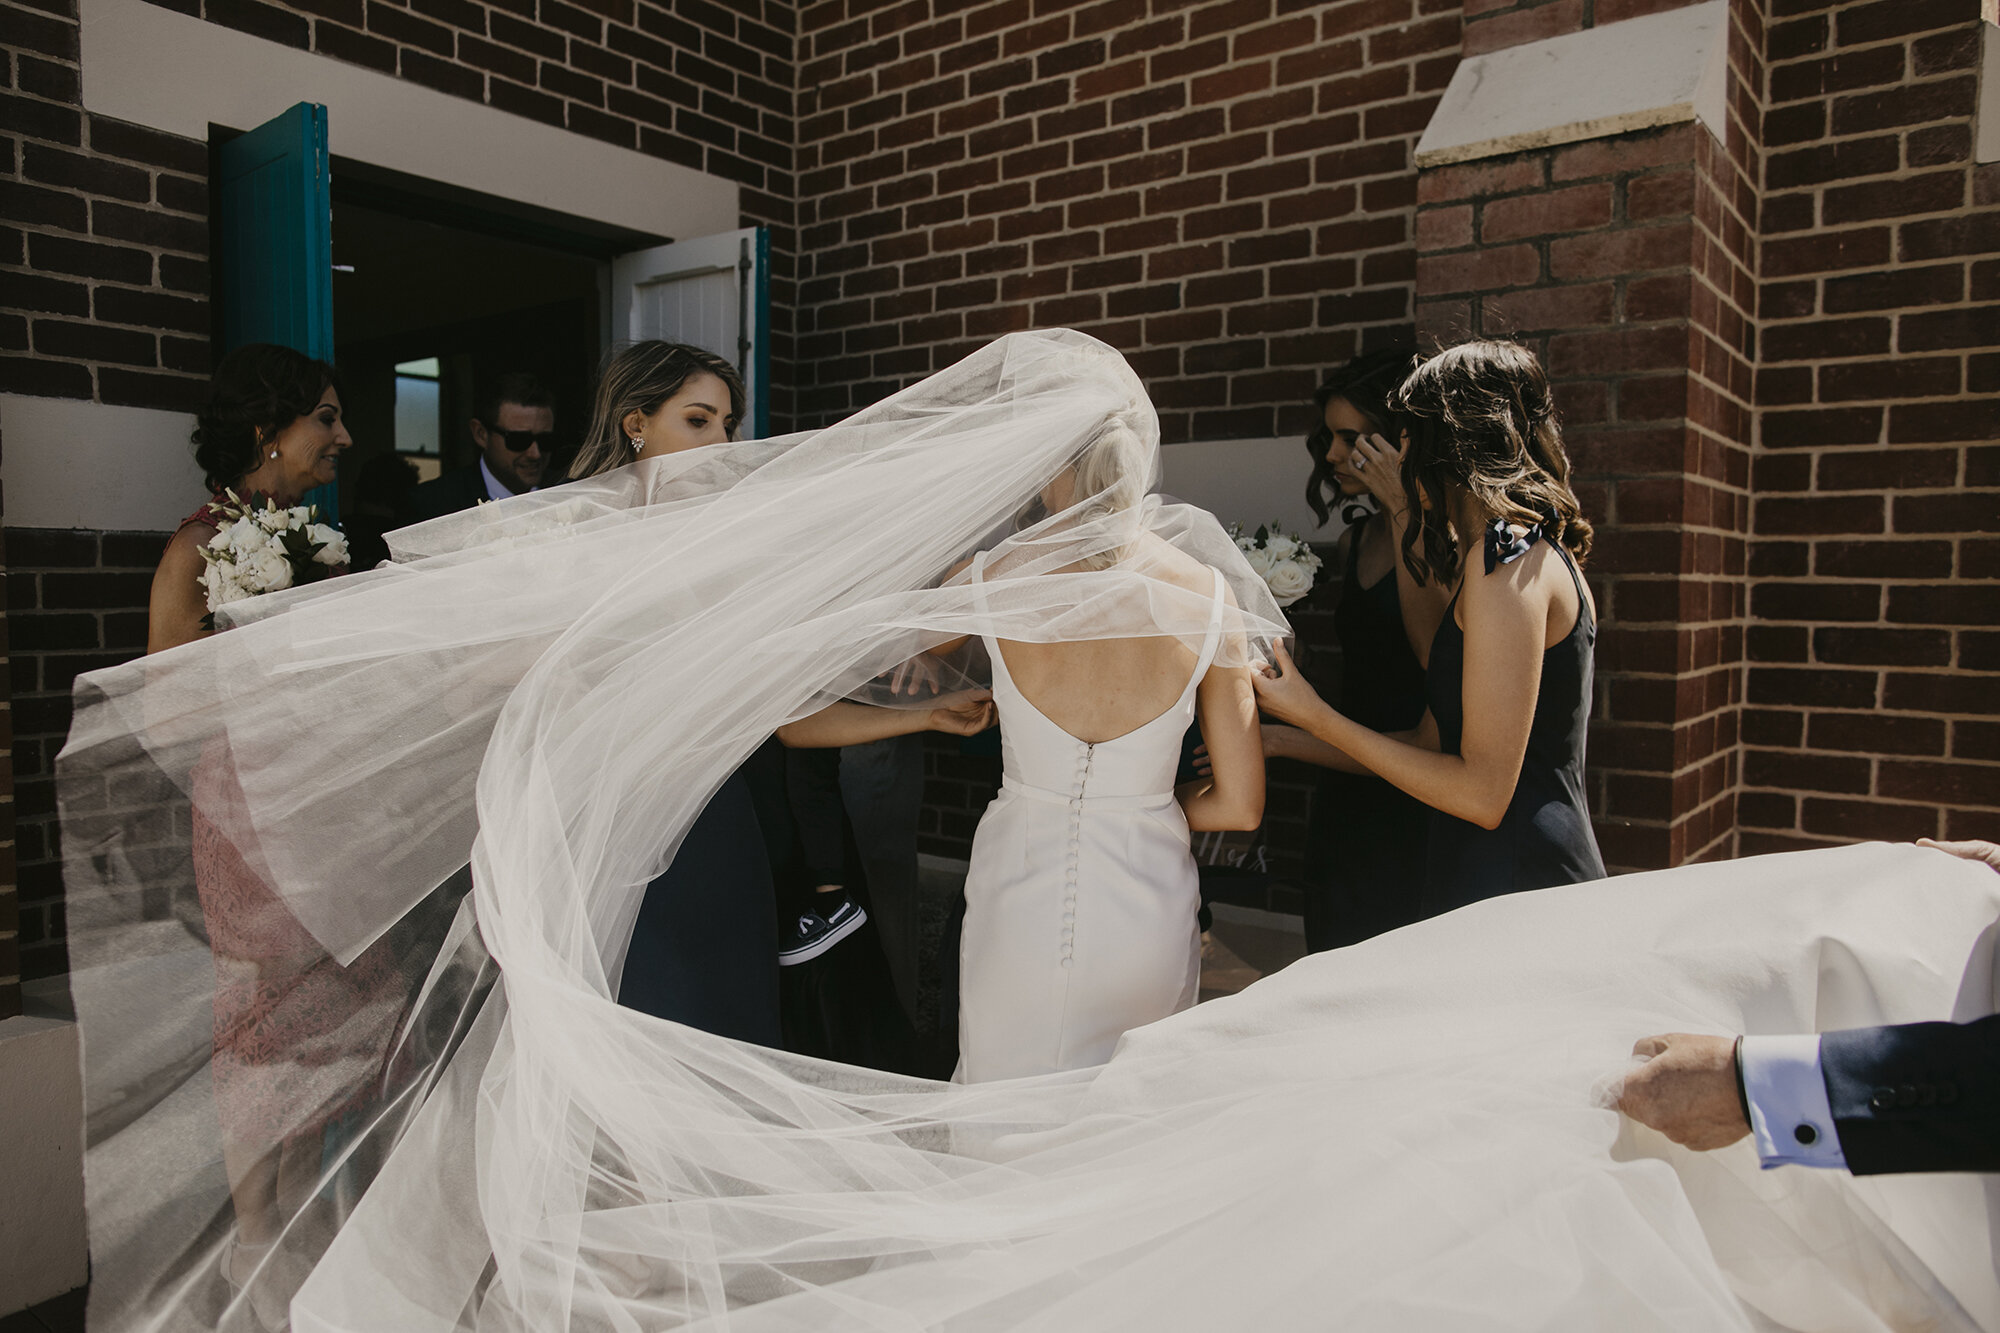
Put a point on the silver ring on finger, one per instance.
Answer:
(1359, 463)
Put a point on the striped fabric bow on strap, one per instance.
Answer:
(1507, 542)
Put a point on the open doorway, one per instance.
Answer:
(436, 294)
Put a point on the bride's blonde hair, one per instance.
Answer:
(1110, 478)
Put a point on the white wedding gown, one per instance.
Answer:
(1081, 896)
(1398, 1136)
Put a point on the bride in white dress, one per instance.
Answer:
(1081, 896)
(1402, 1135)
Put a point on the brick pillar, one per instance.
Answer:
(1874, 700)
(1628, 264)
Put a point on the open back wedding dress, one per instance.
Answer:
(1081, 896)
(1402, 1135)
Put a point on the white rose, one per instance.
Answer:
(274, 520)
(223, 539)
(332, 546)
(269, 571)
(1260, 561)
(1280, 546)
(1288, 582)
(247, 539)
(220, 580)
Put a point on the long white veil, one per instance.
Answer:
(269, 825)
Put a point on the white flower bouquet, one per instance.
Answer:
(258, 550)
(1283, 560)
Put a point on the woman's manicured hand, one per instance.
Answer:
(1972, 849)
(1379, 464)
(1284, 693)
(966, 713)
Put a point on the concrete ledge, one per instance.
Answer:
(1663, 69)
(43, 1250)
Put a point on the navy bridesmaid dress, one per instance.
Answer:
(705, 947)
(1545, 837)
(1364, 853)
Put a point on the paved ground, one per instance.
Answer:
(64, 1314)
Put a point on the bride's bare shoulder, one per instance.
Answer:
(1168, 563)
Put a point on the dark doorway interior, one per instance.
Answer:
(451, 306)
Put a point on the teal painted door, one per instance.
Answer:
(276, 246)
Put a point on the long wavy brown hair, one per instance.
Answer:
(1481, 419)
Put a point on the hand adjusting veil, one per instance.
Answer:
(553, 686)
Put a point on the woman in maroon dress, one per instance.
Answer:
(298, 1037)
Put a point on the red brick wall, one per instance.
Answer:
(103, 225)
(1224, 191)
(1874, 689)
(75, 602)
(1775, 357)
(1493, 24)
(104, 278)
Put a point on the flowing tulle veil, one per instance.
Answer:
(1396, 1136)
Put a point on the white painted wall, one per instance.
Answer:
(1663, 69)
(42, 1248)
(1245, 481)
(70, 464)
(172, 72)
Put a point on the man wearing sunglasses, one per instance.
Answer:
(515, 434)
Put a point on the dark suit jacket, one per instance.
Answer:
(460, 489)
(1916, 1097)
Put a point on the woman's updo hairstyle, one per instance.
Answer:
(257, 391)
(1368, 383)
(1480, 417)
(1110, 478)
(638, 379)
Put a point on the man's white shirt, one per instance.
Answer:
(496, 489)
(1790, 1117)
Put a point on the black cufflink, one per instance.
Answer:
(1806, 1135)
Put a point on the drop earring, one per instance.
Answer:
(274, 453)
(638, 443)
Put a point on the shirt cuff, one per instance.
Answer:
(1790, 1117)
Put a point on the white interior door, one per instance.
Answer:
(713, 292)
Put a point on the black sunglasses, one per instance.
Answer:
(519, 441)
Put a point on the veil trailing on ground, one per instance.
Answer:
(325, 1069)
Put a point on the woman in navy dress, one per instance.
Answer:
(1364, 852)
(705, 947)
(1499, 752)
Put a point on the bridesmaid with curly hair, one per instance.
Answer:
(1499, 753)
